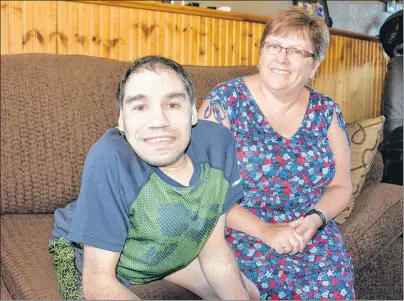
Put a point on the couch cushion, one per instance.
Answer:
(27, 268)
(206, 78)
(58, 106)
(376, 221)
(375, 174)
(365, 136)
(53, 108)
(4, 292)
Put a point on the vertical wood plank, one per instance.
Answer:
(94, 39)
(238, 42)
(84, 28)
(114, 40)
(216, 42)
(196, 39)
(142, 33)
(62, 38)
(170, 29)
(16, 28)
(203, 43)
(186, 40)
(226, 44)
(51, 25)
(232, 43)
(5, 27)
(28, 26)
(151, 23)
(105, 30)
(209, 42)
(133, 34)
(74, 47)
(125, 28)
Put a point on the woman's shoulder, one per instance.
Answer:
(321, 101)
(229, 85)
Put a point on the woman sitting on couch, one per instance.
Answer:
(293, 154)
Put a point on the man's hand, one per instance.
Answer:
(283, 237)
(99, 276)
(221, 270)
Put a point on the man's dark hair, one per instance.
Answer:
(152, 63)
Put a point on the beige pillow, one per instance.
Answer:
(365, 136)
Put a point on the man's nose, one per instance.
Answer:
(159, 118)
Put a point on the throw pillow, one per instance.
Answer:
(365, 136)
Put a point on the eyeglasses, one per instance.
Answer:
(293, 53)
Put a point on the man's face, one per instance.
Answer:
(157, 116)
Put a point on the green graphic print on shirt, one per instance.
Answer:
(170, 225)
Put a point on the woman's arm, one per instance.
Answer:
(211, 117)
(338, 194)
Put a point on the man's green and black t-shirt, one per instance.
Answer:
(159, 226)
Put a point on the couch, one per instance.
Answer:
(54, 107)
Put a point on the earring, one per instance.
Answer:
(258, 68)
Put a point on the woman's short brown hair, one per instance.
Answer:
(293, 20)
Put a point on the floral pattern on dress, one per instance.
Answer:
(283, 179)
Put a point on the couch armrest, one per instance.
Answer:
(376, 220)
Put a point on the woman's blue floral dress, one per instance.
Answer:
(283, 178)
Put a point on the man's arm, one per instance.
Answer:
(99, 276)
(220, 268)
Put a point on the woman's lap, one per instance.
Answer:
(323, 271)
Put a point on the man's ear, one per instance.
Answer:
(194, 115)
(120, 121)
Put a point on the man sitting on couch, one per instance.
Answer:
(153, 197)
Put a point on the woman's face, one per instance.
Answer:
(283, 71)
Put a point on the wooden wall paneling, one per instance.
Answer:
(61, 27)
(222, 41)
(225, 42)
(203, 42)
(83, 37)
(125, 28)
(170, 29)
(237, 43)
(243, 43)
(381, 67)
(93, 39)
(178, 35)
(39, 29)
(132, 32)
(73, 28)
(195, 39)
(5, 27)
(152, 38)
(28, 26)
(209, 41)
(16, 26)
(161, 28)
(231, 43)
(216, 49)
(256, 35)
(51, 25)
(113, 42)
(248, 44)
(186, 38)
(105, 30)
(352, 73)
